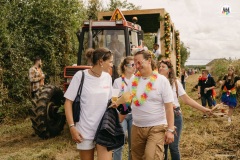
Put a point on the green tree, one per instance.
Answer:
(94, 6)
(114, 4)
(185, 53)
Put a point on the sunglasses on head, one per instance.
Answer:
(166, 60)
(106, 53)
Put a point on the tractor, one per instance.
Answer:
(46, 115)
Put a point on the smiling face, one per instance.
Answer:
(163, 69)
(107, 64)
(130, 67)
(141, 64)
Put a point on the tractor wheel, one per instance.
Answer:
(46, 121)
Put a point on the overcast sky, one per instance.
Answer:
(203, 28)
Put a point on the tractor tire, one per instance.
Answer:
(46, 121)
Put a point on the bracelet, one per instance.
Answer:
(71, 125)
(171, 130)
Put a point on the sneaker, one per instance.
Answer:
(229, 120)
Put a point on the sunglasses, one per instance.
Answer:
(130, 65)
(139, 49)
(139, 63)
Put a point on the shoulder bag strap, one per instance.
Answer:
(176, 85)
(81, 84)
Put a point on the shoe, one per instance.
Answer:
(229, 120)
(204, 116)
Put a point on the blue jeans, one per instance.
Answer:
(127, 126)
(174, 147)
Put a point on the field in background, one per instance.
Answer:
(202, 139)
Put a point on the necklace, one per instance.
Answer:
(144, 96)
(95, 73)
(127, 104)
(123, 83)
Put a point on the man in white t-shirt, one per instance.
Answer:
(152, 110)
(156, 50)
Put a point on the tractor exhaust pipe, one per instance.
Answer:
(90, 33)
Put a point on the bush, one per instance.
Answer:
(30, 28)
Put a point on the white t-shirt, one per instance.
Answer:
(118, 83)
(181, 92)
(96, 92)
(157, 53)
(152, 112)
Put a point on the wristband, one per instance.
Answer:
(71, 125)
(171, 130)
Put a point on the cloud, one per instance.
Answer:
(203, 28)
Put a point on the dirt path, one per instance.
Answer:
(202, 139)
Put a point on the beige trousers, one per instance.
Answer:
(148, 142)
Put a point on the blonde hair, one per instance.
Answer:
(231, 67)
(124, 61)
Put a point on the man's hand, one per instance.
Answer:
(169, 137)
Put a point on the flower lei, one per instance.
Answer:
(144, 96)
(123, 83)
(127, 104)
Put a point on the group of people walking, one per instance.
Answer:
(153, 119)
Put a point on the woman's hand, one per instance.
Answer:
(207, 111)
(76, 136)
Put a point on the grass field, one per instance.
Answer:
(202, 139)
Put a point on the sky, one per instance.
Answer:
(204, 29)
